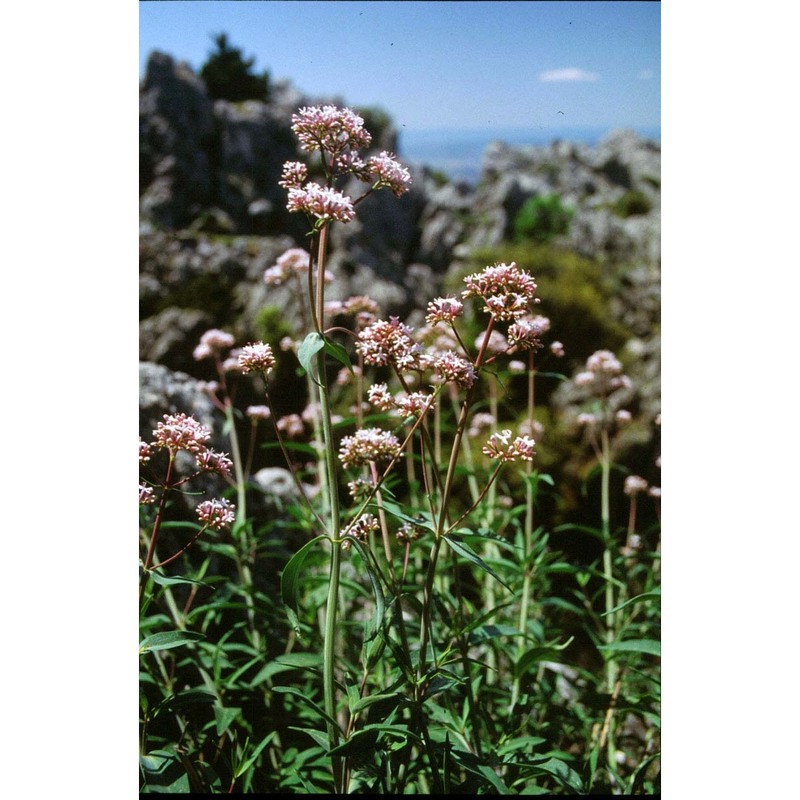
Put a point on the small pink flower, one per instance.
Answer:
(526, 333)
(623, 416)
(291, 425)
(216, 514)
(211, 461)
(294, 174)
(144, 451)
(635, 484)
(146, 495)
(380, 397)
(258, 412)
(212, 343)
(444, 309)
(256, 357)
(410, 533)
(557, 349)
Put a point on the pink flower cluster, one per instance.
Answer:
(389, 172)
(368, 445)
(216, 514)
(406, 404)
(257, 357)
(389, 343)
(182, 432)
(337, 134)
(603, 374)
(500, 446)
(212, 343)
(321, 202)
(444, 309)
(526, 332)
(330, 129)
(294, 260)
(506, 290)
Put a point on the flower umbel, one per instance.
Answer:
(180, 432)
(368, 445)
(330, 128)
(216, 514)
(256, 357)
(501, 447)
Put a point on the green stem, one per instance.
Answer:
(332, 496)
(527, 580)
(605, 514)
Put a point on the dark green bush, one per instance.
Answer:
(631, 204)
(541, 219)
(228, 77)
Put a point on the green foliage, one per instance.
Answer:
(228, 75)
(271, 324)
(542, 218)
(419, 632)
(632, 203)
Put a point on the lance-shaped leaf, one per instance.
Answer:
(467, 552)
(290, 581)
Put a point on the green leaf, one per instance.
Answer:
(339, 353)
(311, 345)
(290, 581)
(307, 701)
(544, 652)
(247, 763)
(563, 772)
(164, 580)
(168, 640)
(518, 743)
(225, 717)
(649, 646)
(467, 552)
(163, 772)
(656, 593)
(380, 604)
(318, 736)
(300, 660)
(367, 701)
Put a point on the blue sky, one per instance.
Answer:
(440, 65)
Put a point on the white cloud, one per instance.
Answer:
(645, 74)
(567, 74)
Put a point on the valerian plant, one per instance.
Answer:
(415, 587)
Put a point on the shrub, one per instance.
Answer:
(228, 77)
(632, 203)
(541, 219)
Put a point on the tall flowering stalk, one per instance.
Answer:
(336, 135)
(425, 373)
(602, 377)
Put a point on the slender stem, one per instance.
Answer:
(527, 579)
(611, 664)
(332, 495)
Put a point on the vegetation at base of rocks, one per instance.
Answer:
(228, 75)
(632, 203)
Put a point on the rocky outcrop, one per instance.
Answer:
(591, 181)
(213, 219)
